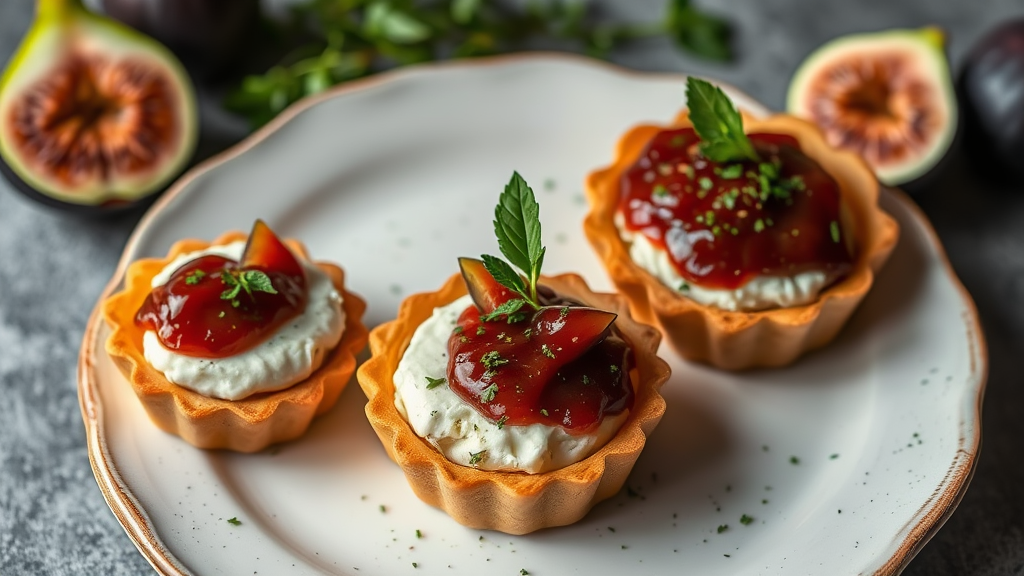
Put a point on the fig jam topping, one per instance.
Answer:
(214, 307)
(723, 224)
(560, 366)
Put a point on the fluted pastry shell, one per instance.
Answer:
(245, 425)
(511, 502)
(739, 340)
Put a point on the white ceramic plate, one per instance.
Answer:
(847, 462)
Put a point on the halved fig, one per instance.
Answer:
(265, 250)
(486, 292)
(92, 113)
(886, 96)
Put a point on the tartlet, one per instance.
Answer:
(740, 340)
(511, 502)
(245, 425)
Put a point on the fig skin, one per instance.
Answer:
(991, 88)
(95, 118)
(206, 34)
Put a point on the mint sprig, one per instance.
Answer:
(517, 228)
(718, 123)
(248, 281)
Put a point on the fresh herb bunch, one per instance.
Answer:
(517, 228)
(719, 125)
(355, 38)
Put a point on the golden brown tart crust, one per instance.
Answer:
(246, 425)
(511, 502)
(738, 340)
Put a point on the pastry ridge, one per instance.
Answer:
(245, 425)
(741, 340)
(511, 502)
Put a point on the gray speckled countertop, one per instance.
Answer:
(53, 519)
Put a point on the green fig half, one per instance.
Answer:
(92, 113)
(886, 95)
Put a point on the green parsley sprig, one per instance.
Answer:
(340, 40)
(517, 228)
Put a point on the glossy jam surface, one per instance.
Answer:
(717, 222)
(191, 315)
(548, 368)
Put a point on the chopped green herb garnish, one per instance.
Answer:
(383, 509)
(547, 351)
(586, 380)
(718, 123)
(435, 382)
(475, 458)
(613, 368)
(221, 315)
(732, 171)
(684, 287)
(457, 330)
(415, 565)
(563, 312)
(489, 393)
(493, 359)
(194, 277)
(544, 411)
(833, 457)
(746, 520)
(508, 309)
(833, 229)
(523, 572)
(758, 225)
(723, 528)
(794, 460)
(419, 534)
(234, 521)
(501, 422)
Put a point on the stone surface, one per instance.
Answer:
(53, 519)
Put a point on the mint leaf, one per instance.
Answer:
(233, 286)
(517, 228)
(257, 281)
(507, 309)
(505, 275)
(717, 123)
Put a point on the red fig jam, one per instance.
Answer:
(194, 313)
(560, 366)
(724, 224)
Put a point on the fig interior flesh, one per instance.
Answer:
(93, 113)
(886, 96)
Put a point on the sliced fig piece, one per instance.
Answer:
(504, 370)
(992, 88)
(92, 113)
(264, 250)
(485, 291)
(565, 334)
(886, 96)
